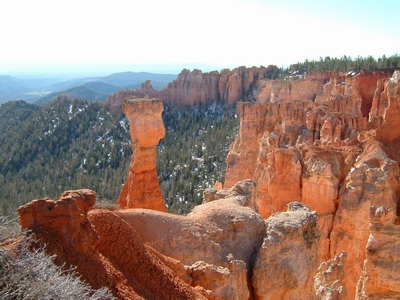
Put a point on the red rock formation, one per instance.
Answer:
(191, 88)
(224, 232)
(116, 101)
(103, 247)
(288, 258)
(146, 129)
(195, 87)
(309, 140)
(390, 129)
(325, 113)
(373, 180)
(380, 275)
(146, 274)
(217, 243)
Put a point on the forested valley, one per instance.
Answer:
(72, 144)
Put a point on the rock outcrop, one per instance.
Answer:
(289, 255)
(380, 276)
(115, 101)
(219, 251)
(329, 141)
(195, 87)
(328, 283)
(225, 233)
(142, 189)
(92, 242)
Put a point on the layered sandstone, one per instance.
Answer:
(92, 242)
(195, 87)
(142, 189)
(256, 83)
(329, 141)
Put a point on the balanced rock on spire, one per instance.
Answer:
(142, 189)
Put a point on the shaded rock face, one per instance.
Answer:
(91, 241)
(380, 275)
(288, 256)
(334, 149)
(146, 129)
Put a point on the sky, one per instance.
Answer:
(151, 35)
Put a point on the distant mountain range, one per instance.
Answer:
(42, 90)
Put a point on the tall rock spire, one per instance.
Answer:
(142, 189)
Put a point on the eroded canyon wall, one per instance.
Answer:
(329, 141)
(195, 87)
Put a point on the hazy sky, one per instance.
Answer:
(219, 33)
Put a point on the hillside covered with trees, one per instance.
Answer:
(72, 143)
(344, 64)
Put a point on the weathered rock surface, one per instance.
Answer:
(217, 243)
(331, 142)
(115, 101)
(373, 180)
(142, 189)
(195, 87)
(381, 271)
(103, 247)
(329, 279)
(219, 280)
(223, 232)
(289, 256)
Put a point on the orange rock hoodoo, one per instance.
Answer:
(142, 189)
(331, 142)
